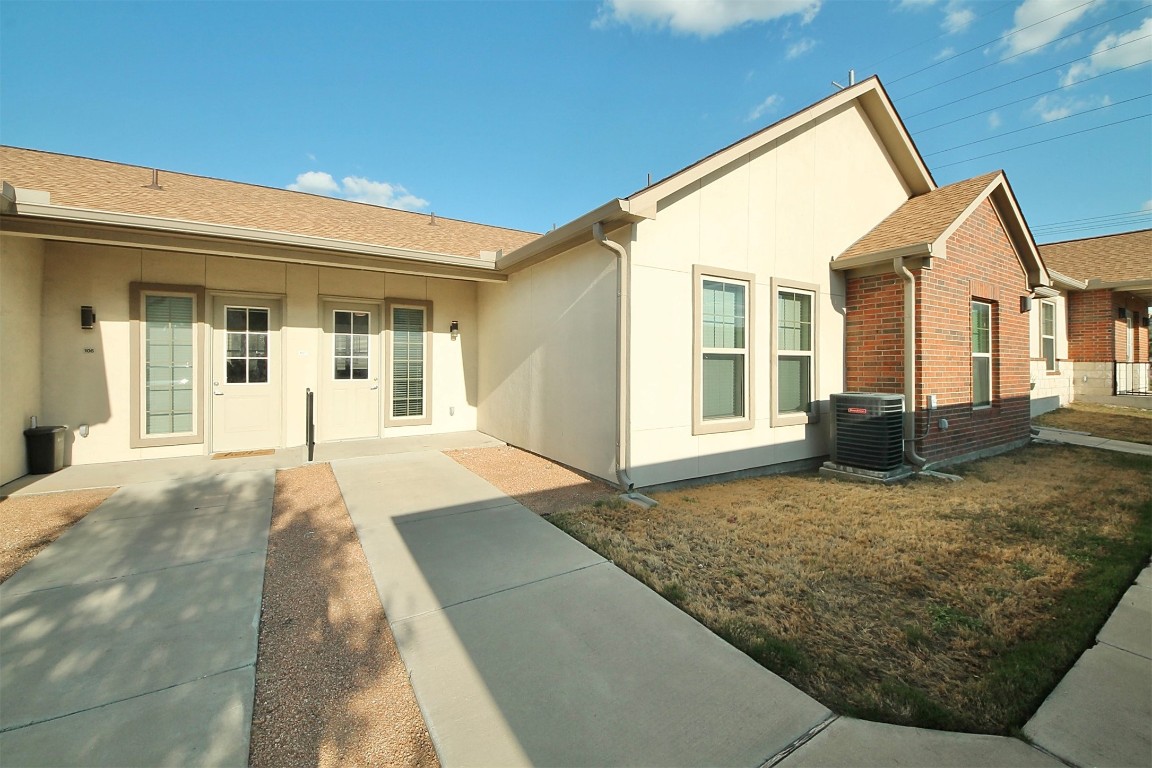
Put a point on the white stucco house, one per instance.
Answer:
(694, 328)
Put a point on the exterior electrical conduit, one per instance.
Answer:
(909, 363)
(622, 460)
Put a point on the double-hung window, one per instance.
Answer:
(409, 337)
(1048, 334)
(981, 354)
(166, 348)
(794, 352)
(723, 357)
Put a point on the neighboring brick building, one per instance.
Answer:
(1108, 296)
(974, 268)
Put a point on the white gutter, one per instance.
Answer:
(623, 458)
(48, 211)
(909, 363)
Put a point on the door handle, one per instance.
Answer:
(375, 384)
(216, 389)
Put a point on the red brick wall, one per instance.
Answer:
(980, 264)
(1096, 334)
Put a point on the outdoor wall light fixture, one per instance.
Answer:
(454, 329)
(1025, 303)
(1122, 313)
(87, 318)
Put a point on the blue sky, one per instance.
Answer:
(528, 114)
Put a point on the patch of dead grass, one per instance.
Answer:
(892, 603)
(1133, 425)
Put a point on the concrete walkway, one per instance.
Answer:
(131, 640)
(1045, 434)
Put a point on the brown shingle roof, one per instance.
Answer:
(106, 186)
(1109, 259)
(922, 219)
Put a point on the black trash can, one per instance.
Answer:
(45, 449)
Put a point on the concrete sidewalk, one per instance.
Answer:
(1045, 434)
(131, 640)
(525, 647)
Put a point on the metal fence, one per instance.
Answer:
(1133, 379)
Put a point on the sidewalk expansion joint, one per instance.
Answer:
(500, 591)
(72, 585)
(501, 505)
(799, 742)
(9, 729)
(1124, 650)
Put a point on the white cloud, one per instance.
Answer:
(800, 47)
(916, 5)
(994, 120)
(705, 18)
(1051, 18)
(1104, 60)
(769, 104)
(1147, 206)
(311, 157)
(949, 51)
(1055, 107)
(957, 18)
(358, 189)
(315, 182)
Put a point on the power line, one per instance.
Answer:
(1133, 220)
(1021, 53)
(1033, 96)
(1093, 218)
(1024, 77)
(1038, 125)
(989, 42)
(872, 67)
(1123, 225)
(1045, 141)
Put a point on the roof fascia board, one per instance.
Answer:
(576, 232)
(184, 227)
(877, 108)
(105, 234)
(1061, 280)
(914, 251)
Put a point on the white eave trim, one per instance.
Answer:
(1061, 280)
(248, 234)
(611, 215)
(916, 250)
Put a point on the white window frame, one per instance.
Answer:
(138, 295)
(248, 356)
(426, 417)
(811, 415)
(1050, 364)
(983, 355)
(351, 356)
(747, 281)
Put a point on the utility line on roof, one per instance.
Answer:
(989, 42)
(1038, 125)
(1033, 96)
(1024, 77)
(1021, 53)
(1045, 141)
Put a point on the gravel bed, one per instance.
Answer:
(331, 689)
(30, 523)
(539, 484)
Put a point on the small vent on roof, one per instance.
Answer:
(432, 220)
(155, 180)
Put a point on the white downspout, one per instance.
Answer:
(909, 363)
(622, 388)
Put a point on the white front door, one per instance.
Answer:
(350, 372)
(246, 366)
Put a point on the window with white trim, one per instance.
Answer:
(1048, 334)
(166, 348)
(351, 334)
(409, 336)
(794, 346)
(723, 365)
(981, 354)
(246, 352)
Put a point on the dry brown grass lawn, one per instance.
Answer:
(1115, 423)
(912, 604)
